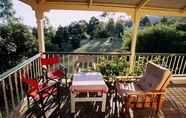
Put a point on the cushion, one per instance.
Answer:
(123, 89)
(154, 78)
(56, 74)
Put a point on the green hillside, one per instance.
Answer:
(101, 45)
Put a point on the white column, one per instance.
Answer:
(135, 26)
(40, 31)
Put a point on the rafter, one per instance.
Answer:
(142, 4)
(183, 9)
(90, 2)
(43, 1)
(27, 2)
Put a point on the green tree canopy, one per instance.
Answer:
(6, 10)
(16, 43)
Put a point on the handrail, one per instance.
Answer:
(118, 53)
(162, 54)
(89, 53)
(19, 66)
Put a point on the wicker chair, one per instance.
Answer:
(147, 91)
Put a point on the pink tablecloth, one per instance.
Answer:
(88, 82)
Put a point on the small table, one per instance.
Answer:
(88, 82)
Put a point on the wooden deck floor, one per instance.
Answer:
(174, 107)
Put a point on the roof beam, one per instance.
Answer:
(162, 12)
(142, 4)
(85, 6)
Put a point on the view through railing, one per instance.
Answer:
(12, 88)
(174, 62)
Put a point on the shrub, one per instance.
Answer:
(119, 66)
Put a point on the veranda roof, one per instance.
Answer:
(147, 7)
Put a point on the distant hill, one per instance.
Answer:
(180, 19)
(101, 45)
(154, 19)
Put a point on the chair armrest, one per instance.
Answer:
(44, 67)
(143, 93)
(127, 79)
(49, 79)
(44, 89)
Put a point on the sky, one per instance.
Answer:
(57, 17)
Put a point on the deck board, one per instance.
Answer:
(175, 106)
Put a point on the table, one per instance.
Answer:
(87, 82)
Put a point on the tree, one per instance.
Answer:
(6, 9)
(119, 28)
(101, 30)
(92, 26)
(163, 37)
(75, 34)
(110, 27)
(145, 21)
(83, 28)
(16, 44)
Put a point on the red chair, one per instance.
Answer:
(40, 92)
(56, 74)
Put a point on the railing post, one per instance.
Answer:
(136, 20)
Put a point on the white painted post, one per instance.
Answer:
(40, 30)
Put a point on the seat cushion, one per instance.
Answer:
(36, 96)
(56, 74)
(123, 89)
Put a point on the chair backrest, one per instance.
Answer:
(54, 59)
(30, 82)
(84, 62)
(155, 77)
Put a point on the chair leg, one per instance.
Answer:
(28, 102)
(42, 108)
(58, 96)
(157, 111)
(126, 112)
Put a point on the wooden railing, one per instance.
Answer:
(11, 86)
(12, 89)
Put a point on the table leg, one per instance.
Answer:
(104, 102)
(72, 103)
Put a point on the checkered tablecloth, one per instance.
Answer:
(88, 82)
